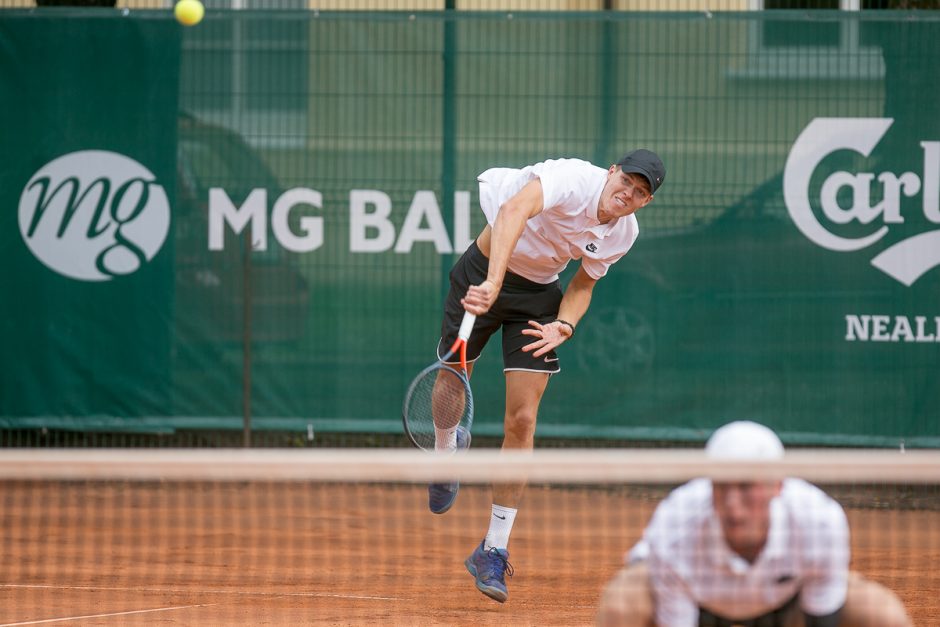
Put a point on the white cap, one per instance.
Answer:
(744, 440)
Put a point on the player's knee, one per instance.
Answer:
(619, 614)
(609, 616)
(900, 620)
(893, 614)
(520, 423)
(883, 618)
(626, 602)
(614, 608)
(871, 604)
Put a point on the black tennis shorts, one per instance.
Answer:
(786, 614)
(519, 301)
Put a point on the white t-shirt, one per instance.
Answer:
(567, 228)
(691, 566)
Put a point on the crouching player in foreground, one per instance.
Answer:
(756, 554)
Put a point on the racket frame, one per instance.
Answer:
(459, 347)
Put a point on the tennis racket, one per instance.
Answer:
(440, 395)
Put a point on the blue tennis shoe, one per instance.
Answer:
(489, 567)
(442, 495)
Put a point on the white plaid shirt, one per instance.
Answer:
(691, 566)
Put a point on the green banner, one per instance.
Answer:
(319, 179)
(87, 184)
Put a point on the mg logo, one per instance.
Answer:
(904, 261)
(94, 215)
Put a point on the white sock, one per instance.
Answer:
(445, 440)
(500, 527)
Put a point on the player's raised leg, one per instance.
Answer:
(449, 435)
(447, 407)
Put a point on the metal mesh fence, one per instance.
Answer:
(327, 537)
(347, 142)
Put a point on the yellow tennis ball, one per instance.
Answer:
(189, 12)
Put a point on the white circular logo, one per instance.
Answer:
(93, 215)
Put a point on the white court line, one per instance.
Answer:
(65, 618)
(332, 595)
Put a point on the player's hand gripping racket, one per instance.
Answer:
(440, 395)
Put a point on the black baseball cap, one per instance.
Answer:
(648, 164)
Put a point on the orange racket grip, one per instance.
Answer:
(463, 334)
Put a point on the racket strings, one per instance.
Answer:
(439, 399)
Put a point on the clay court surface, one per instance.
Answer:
(298, 553)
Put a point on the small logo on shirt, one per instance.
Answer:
(592, 247)
(782, 579)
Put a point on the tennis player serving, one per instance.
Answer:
(539, 218)
(752, 553)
